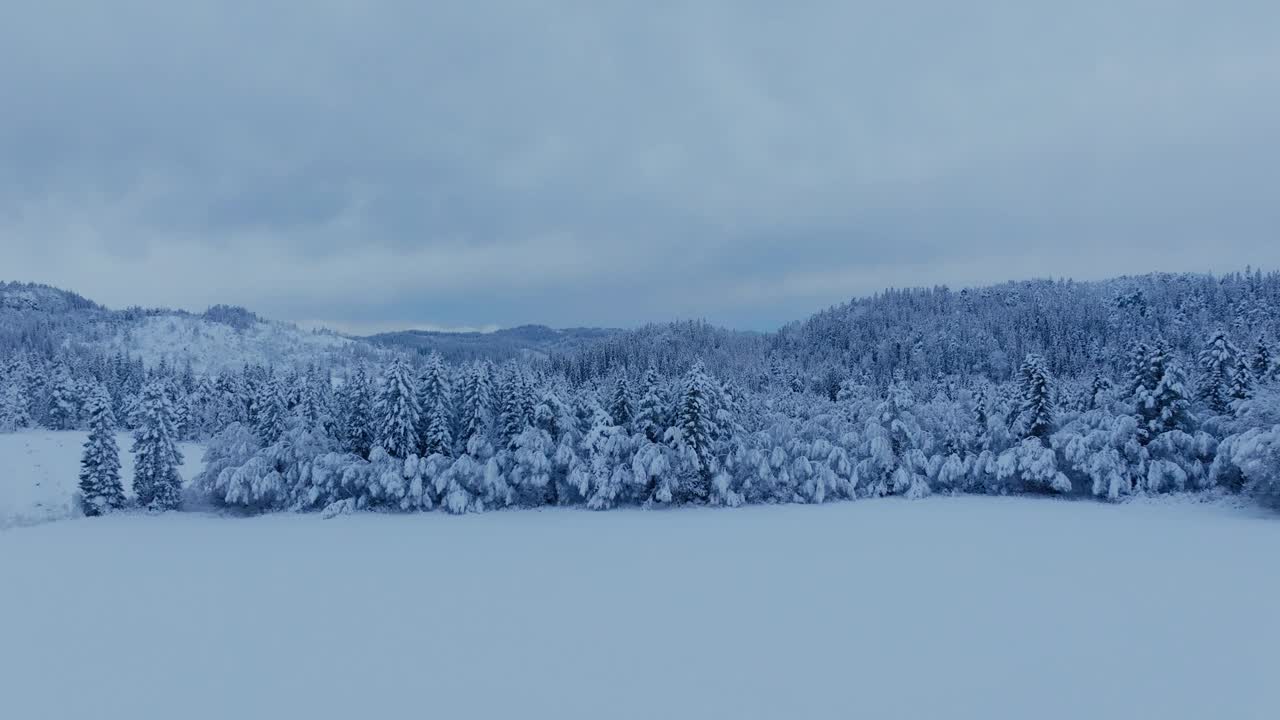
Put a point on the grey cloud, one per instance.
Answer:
(465, 164)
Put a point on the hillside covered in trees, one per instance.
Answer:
(1140, 385)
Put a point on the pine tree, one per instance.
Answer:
(435, 398)
(63, 411)
(694, 429)
(14, 413)
(397, 411)
(517, 407)
(156, 455)
(100, 487)
(437, 404)
(271, 410)
(1241, 383)
(475, 412)
(1139, 371)
(1261, 362)
(1035, 399)
(981, 420)
(313, 399)
(1161, 400)
(1218, 362)
(356, 409)
(620, 408)
(651, 416)
(893, 445)
(1098, 390)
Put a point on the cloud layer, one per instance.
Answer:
(369, 164)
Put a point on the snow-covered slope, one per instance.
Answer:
(214, 346)
(526, 341)
(40, 472)
(971, 607)
(43, 318)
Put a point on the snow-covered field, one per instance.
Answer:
(40, 473)
(942, 608)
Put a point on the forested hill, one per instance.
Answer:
(523, 342)
(54, 324)
(1134, 385)
(1081, 328)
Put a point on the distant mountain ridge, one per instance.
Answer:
(917, 334)
(228, 336)
(47, 319)
(524, 341)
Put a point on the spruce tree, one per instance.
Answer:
(155, 449)
(1035, 391)
(651, 416)
(397, 412)
(356, 410)
(1161, 402)
(14, 413)
(100, 487)
(63, 411)
(517, 407)
(475, 413)
(981, 420)
(436, 402)
(1261, 362)
(313, 399)
(1241, 383)
(695, 421)
(1218, 362)
(1097, 389)
(620, 408)
(271, 410)
(1138, 376)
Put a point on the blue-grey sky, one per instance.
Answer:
(369, 164)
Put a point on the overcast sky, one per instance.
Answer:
(369, 164)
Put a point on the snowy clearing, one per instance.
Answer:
(40, 473)
(966, 607)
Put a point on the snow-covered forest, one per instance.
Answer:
(1134, 386)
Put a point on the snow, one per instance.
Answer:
(956, 607)
(214, 347)
(40, 473)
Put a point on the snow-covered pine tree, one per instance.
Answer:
(531, 467)
(270, 409)
(63, 403)
(1098, 391)
(100, 487)
(14, 405)
(516, 412)
(893, 447)
(691, 436)
(1035, 391)
(474, 420)
(396, 412)
(1218, 362)
(156, 456)
(608, 479)
(1170, 401)
(1138, 373)
(651, 415)
(355, 414)
(620, 406)
(436, 401)
(1241, 383)
(1159, 393)
(313, 399)
(1261, 363)
(981, 420)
